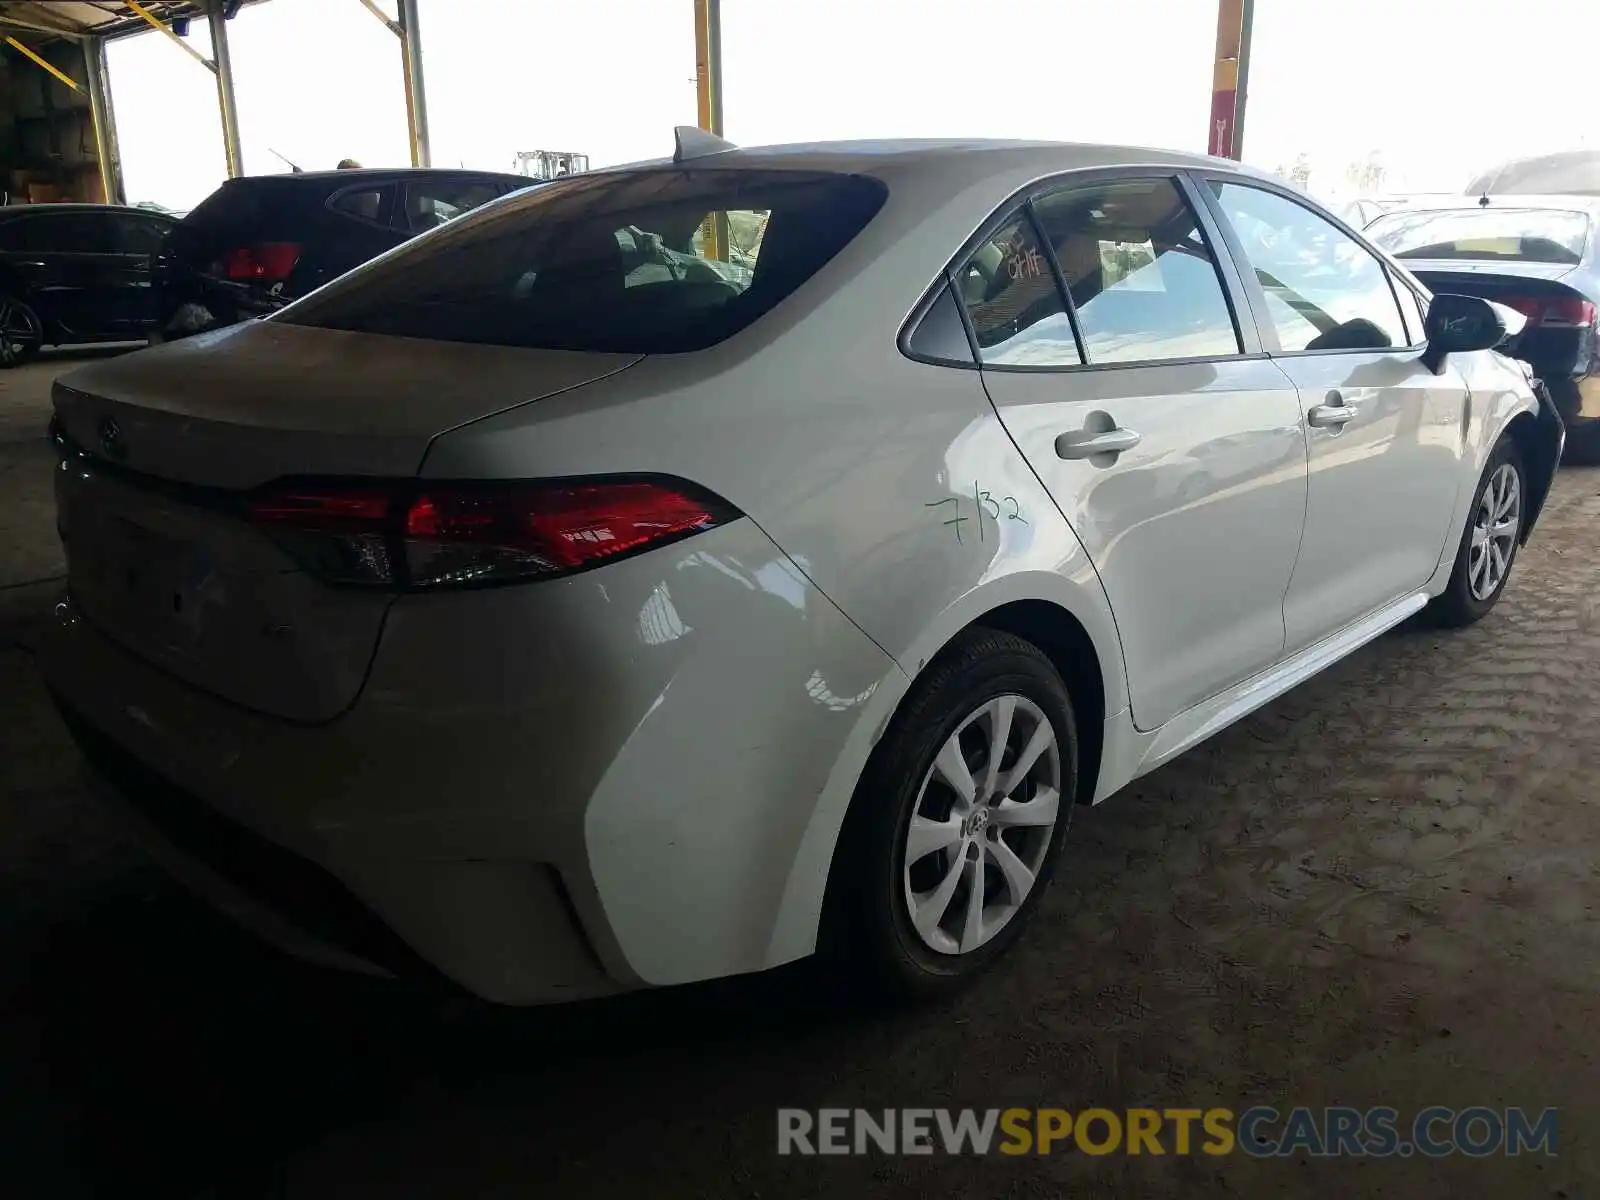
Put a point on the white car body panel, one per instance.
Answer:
(1396, 467)
(667, 745)
(1221, 451)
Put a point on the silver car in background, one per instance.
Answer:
(543, 607)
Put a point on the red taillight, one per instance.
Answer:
(341, 534)
(265, 262)
(1553, 312)
(460, 534)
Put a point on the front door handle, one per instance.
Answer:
(1332, 414)
(1086, 443)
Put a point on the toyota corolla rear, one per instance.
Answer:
(487, 723)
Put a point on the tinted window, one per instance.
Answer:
(77, 232)
(369, 204)
(1525, 234)
(24, 233)
(645, 262)
(1325, 291)
(136, 235)
(433, 202)
(1142, 279)
(1016, 308)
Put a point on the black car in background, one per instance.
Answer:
(259, 242)
(75, 273)
(1537, 254)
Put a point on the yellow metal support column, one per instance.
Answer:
(227, 105)
(1230, 77)
(408, 29)
(416, 94)
(41, 61)
(708, 98)
(105, 121)
(708, 64)
(220, 65)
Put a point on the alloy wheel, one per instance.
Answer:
(1494, 532)
(982, 824)
(19, 330)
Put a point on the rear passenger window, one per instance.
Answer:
(433, 202)
(1016, 308)
(1141, 275)
(22, 233)
(369, 204)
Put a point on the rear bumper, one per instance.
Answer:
(543, 793)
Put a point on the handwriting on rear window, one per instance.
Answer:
(975, 511)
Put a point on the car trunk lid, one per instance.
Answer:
(1560, 336)
(241, 406)
(161, 450)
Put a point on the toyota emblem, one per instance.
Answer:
(112, 444)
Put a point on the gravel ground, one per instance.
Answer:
(1379, 890)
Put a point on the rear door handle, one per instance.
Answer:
(1086, 444)
(1334, 413)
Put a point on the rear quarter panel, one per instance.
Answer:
(890, 482)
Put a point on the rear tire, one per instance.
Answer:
(901, 920)
(1486, 555)
(21, 332)
(1583, 442)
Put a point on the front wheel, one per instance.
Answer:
(1489, 542)
(953, 831)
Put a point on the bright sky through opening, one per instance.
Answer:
(1341, 83)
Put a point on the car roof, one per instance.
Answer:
(383, 175)
(956, 155)
(19, 210)
(1505, 200)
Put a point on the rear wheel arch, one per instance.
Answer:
(1066, 642)
(1070, 649)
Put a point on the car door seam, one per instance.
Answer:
(1065, 520)
(1305, 506)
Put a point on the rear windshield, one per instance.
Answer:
(1524, 234)
(644, 262)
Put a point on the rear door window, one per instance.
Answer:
(1009, 287)
(1142, 278)
(432, 202)
(645, 262)
(136, 235)
(81, 233)
(23, 233)
(374, 204)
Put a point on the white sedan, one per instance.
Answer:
(556, 605)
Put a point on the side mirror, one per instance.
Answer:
(1457, 323)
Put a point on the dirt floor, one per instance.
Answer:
(1380, 890)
